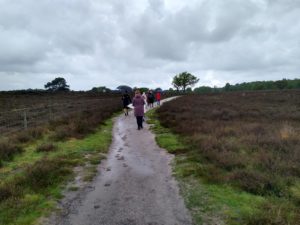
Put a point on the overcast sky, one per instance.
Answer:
(146, 42)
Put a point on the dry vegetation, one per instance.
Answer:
(74, 123)
(249, 140)
(35, 162)
(18, 100)
(29, 110)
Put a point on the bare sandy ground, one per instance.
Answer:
(134, 186)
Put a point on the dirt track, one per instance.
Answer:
(134, 185)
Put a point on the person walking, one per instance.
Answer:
(158, 98)
(138, 104)
(144, 96)
(126, 101)
(150, 99)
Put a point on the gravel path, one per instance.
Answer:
(134, 185)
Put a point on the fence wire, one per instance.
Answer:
(25, 118)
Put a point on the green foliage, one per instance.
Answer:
(101, 89)
(252, 86)
(144, 89)
(183, 80)
(164, 137)
(58, 84)
(29, 208)
(203, 89)
(295, 192)
(264, 85)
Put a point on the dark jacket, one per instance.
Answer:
(138, 103)
(126, 100)
(150, 97)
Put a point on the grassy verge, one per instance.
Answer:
(212, 202)
(33, 181)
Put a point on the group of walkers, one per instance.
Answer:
(139, 103)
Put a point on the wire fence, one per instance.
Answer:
(25, 118)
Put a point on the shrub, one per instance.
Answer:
(46, 147)
(28, 135)
(8, 150)
(36, 132)
(257, 183)
(81, 126)
(10, 189)
(61, 133)
(46, 172)
(276, 214)
(22, 137)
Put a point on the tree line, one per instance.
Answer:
(182, 83)
(252, 86)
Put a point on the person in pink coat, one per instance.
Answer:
(138, 104)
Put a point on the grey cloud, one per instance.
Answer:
(171, 36)
(145, 42)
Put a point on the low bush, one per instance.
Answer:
(46, 172)
(61, 133)
(10, 189)
(81, 126)
(46, 147)
(22, 137)
(28, 135)
(8, 150)
(275, 213)
(36, 132)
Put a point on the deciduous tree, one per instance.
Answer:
(184, 80)
(58, 84)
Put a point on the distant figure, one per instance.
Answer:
(138, 104)
(150, 98)
(126, 101)
(144, 96)
(158, 98)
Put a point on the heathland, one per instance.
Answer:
(21, 110)
(237, 155)
(56, 133)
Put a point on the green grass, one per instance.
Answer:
(26, 210)
(295, 192)
(164, 137)
(209, 203)
(33, 202)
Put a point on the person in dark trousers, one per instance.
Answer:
(138, 104)
(150, 98)
(126, 101)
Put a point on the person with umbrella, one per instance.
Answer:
(126, 101)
